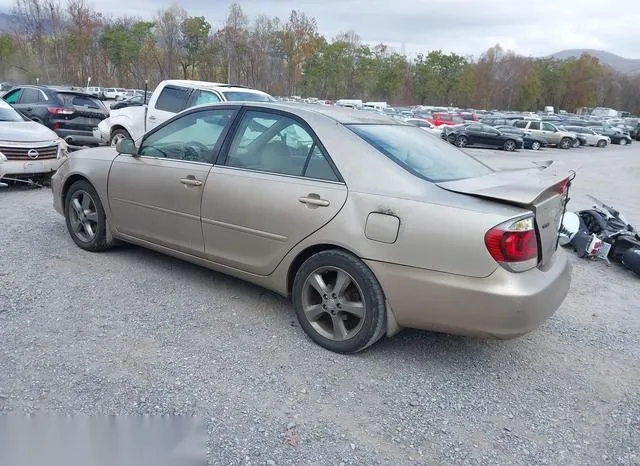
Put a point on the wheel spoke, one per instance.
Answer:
(75, 203)
(86, 201)
(76, 225)
(314, 312)
(353, 308)
(88, 228)
(339, 329)
(342, 282)
(92, 216)
(318, 283)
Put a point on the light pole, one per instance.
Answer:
(88, 83)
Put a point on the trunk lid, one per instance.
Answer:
(537, 189)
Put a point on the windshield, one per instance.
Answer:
(421, 153)
(240, 96)
(7, 113)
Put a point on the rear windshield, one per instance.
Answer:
(421, 153)
(82, 101)
(239, 96)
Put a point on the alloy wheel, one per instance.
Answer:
(535, 145)
(333, 303)
(116, 139)
(83, 216)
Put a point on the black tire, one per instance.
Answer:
(99, 240)
(576, 144)
(602, 143)
(623, 142)
(565, 143)
(535, 145)
(509, 145)
(462, 142)
(373, 324)
(631, 260)
(118, 134)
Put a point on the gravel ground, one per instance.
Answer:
(134, 332)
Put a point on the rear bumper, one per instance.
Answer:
(503, 305)
(18, 168)
(78, 137)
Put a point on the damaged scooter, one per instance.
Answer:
(602, 232)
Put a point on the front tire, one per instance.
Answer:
(339, 302)
(86, 221)
(565, 143)
(509, 145)
(602, 143)
(576, 144)
(462, 142)
(623, 142)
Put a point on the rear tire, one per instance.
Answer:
(535, 145)
(339, 302)
(509, 145)
(118, 135)
(565, 143)
(576, 144)
(631, 260)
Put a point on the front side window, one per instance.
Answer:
(12, 97)
(278, 144)
(192, 137)
(548, 127)
(172, 99)
(424, 156)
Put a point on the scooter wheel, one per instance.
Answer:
(631, 260)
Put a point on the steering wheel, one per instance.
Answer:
(194, 151)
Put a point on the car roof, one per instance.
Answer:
(342, 115)
(210, 85)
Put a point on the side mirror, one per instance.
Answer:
(126, 146)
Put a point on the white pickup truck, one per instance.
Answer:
(169, 98)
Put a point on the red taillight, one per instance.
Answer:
(60, 111)
(514, 245)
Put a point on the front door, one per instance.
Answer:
(156, 195)
(550, 133)
(275, 187)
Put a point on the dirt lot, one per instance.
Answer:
(131, 331)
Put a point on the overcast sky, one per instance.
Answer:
(467, 27)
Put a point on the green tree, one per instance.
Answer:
(195, 33)
(7, 51)
(440, 77)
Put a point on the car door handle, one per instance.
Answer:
(189, 181)
(313, 200)
(152, 118)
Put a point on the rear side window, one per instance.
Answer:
(421, 154)
(534, 125)
(172, 99)
(31, 96)
(239, 96)
(520, 124)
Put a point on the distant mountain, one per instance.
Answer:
(618, 63)
(7, 22)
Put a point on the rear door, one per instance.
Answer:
(172, 99)
(275, 187)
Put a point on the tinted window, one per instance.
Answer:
(235, 96)
(419, 123)
(205, 97)
(192, 137)
(31, 96)
(534, 125)
(421, 154)
(277, 144)
(172, 99)
(476, 127)
(548, 127)
(12, 97)
(81, 101)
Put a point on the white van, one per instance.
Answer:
(349, 103)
